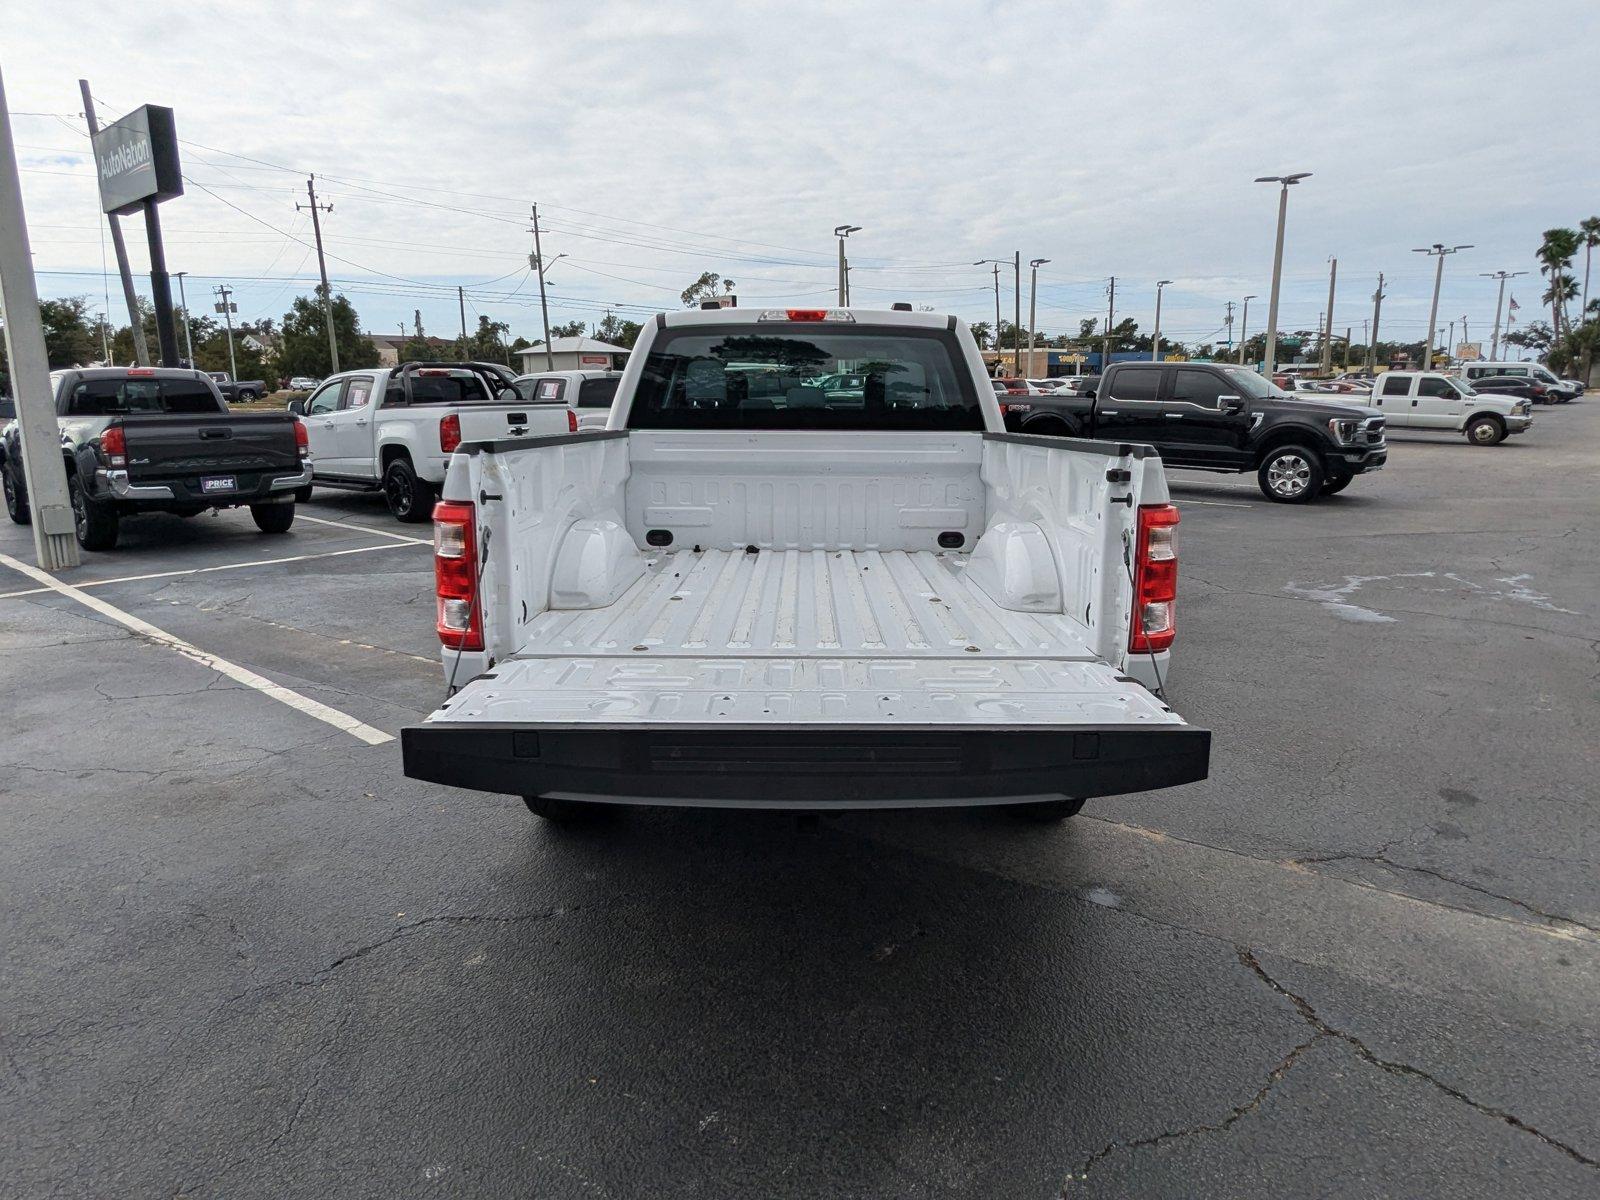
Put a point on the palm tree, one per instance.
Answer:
(1555, 255)
(1589, 227)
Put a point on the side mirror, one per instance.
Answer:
(510, 395)
(1088, 391)
(1232, 405)
(298, 406)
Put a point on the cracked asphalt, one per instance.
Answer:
(243, 956)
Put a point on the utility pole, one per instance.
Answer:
(1244, 328)
(1377, 309)
(1327, 331)
(322, 266)
(544, 307)
(461, 299)
(1347, 348)
(997, 264)
(1228, 321)
(1502, 276)
(1450, 341)
(188, 341)
(1269, 359)
(1155, 342)
(43, 468)
(1111, 311)
(1033, 297)
(141, 352)
(1438, 250)
(841, 232)
(1465, 336)
(1016, 319)
(226, 306)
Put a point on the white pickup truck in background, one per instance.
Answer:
(587, 393)
(754, 591)
(395, 428)
(1434, 400)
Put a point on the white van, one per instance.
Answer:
(1519, 370)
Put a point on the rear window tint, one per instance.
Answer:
(788, 375)
(1135, 385)
(597, 393)
(455, 388)
(130, 396)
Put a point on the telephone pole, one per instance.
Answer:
(322, 266)
(188, 341)
(841, 232)
(226, 307)
(1377, 309)
(1033, 298)
(1016, 319)
(1155, 340)
(1327, 331)
(1111, 311)
(461, 299)
(1244, 328)
(141, 352)
(1228, 321)
(544, 307)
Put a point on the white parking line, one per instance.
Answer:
(1214, 503)
(399, 537)
(259, 562)
(283, 695)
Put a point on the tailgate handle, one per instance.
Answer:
(216, 433)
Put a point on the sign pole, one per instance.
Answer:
(160, 287)
(44, 473)
(141, 352)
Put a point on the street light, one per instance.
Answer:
(1269, 360)
(188, 341)
(1502, 276)
(1244, 327)
(1437, 250)
(998, 263)
(1155, 344)
(841, 232)
(1033, 295)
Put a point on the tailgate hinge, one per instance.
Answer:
(1119, 475)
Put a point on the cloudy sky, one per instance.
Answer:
(664, 139)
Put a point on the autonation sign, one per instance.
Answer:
(137, 160)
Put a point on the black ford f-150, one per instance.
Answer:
(1216, 417)
(150, 439)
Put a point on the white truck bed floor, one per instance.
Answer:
(864, 638)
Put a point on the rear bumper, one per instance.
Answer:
(814, 767)
(116, 485)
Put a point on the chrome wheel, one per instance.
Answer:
(1289, 475)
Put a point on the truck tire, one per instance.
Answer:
(16, 498)
(94, 523)
(1336, 484)
(247, 394)
(303, 495)
(1486, 431)
(1291, 475)
(273, 518)
(1046, 811)
(410, 499)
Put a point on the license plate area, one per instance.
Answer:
(219, 483)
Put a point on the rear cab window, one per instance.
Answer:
(784, 375)
(597, 393)
(132, 396)
(1396, 385)
(1135, 383)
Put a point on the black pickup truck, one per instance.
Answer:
(1215, 417)
(150, 439)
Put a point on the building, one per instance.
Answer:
(572, 354)
(389, 347)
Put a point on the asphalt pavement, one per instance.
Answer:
(242, 956)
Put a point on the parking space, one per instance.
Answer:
(243, 955)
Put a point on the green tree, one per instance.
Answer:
(305, 338)
(1589, 229)
(570, 329)
(704, 288)
(983, 334)
(488, 341)
(69, 338)
(1555, 255)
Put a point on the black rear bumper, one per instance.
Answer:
(805, 767)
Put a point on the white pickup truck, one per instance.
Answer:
(395, 428)
(752, 591)
(1434, 400)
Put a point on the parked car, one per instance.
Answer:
(232, 389)
(1512, 385)
(303, 383)
(588, 393)
(1020, 387)
(1562, 390)
(151, 439)
(761, 601)
(1434, 400)
(1216, 417)
(395, 428)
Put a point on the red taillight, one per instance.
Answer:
(450, 432)
(1155, 580)
(115, 444)
(807, 314)
(572, 421)
(302, 438)
(455, 576)
(1004, 408)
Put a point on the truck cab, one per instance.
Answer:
(1436, 401)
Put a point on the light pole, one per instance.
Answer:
(188, 342)
(1502, 276)
(1016, 316)
(1155, 342)
(983, 262)
(1270, 358)
(841, 232)
(1244, 327)
(1437, 250)
(1033, 296)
